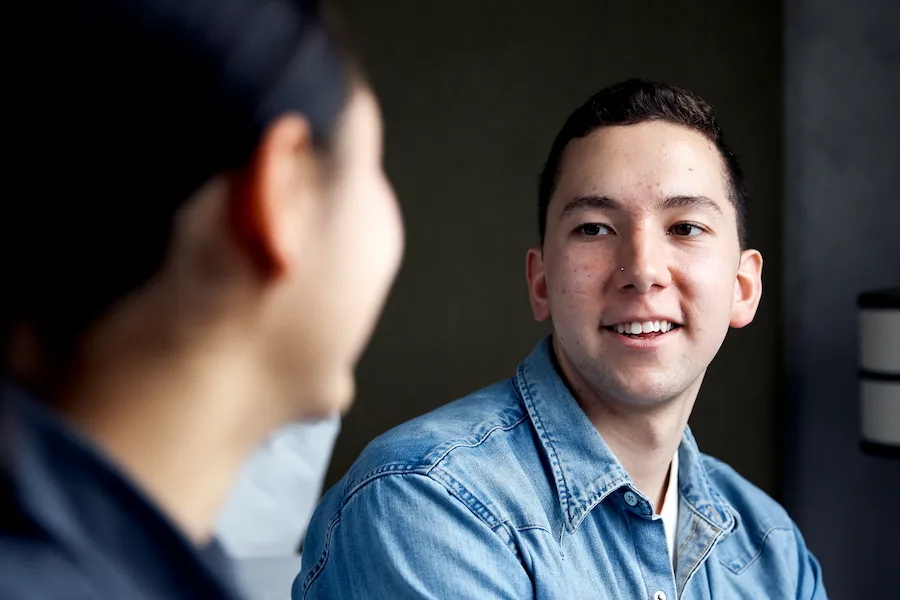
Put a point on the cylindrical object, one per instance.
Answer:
(879, 371)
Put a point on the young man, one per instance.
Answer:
(579, 478)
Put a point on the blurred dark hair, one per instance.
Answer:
(123, 109)
(637, 101)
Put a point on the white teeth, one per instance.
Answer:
(637, 327)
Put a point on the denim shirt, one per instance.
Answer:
(512, 493)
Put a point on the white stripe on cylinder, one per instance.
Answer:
(879, 339)
(880, 407)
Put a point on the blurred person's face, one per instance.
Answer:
(337, 230)
(641, 271)
(346, 263)
(273, 281)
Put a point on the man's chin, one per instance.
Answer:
(640, 400)
(640, 389)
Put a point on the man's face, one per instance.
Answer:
(641, 270)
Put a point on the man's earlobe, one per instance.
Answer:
(747, 289)
(537, 284)
(265, 194)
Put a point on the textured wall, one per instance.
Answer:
(841, 218)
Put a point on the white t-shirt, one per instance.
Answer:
(670, 508)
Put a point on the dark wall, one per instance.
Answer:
(473, 93)
(841, 220)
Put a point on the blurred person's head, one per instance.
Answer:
(202, 235)
(642, 264)
(200, 190)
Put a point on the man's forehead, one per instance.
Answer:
(644, 163)
(607, 203)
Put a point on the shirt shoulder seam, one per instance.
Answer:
(495, 525)
(453, 485)
(474, 444)
(412, 467)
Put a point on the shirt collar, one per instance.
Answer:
(584, 468)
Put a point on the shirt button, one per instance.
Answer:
(660, 595)
(631, 500)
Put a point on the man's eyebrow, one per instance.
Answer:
(701, 202)
(590, 202)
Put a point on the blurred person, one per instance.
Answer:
(579, 477)
(201, 241)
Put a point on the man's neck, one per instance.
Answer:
(643, 443)
(644, 439)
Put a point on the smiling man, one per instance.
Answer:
(579, 477)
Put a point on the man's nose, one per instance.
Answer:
(643, 262)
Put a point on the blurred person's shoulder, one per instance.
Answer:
(73, 525)
(34, 567)
(34, 561)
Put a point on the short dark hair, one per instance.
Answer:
(124, 109)
(637, 101)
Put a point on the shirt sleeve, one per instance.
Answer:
(809, 578)
(406, 536)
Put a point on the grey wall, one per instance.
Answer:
(473, 93)
(841, 219)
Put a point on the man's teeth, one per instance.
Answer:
(637, 327)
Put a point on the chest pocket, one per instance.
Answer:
(740, 550)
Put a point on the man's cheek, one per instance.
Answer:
(574, 298)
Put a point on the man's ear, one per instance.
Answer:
(747, 289)
(267, 200)
(537, 284)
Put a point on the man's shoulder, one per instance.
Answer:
(418, 445)
(765, 538)
(431, 476)
(761, 520)
(753, 504)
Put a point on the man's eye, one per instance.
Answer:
(686, 229)
(593, 229)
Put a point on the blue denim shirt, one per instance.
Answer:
(512, 493)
